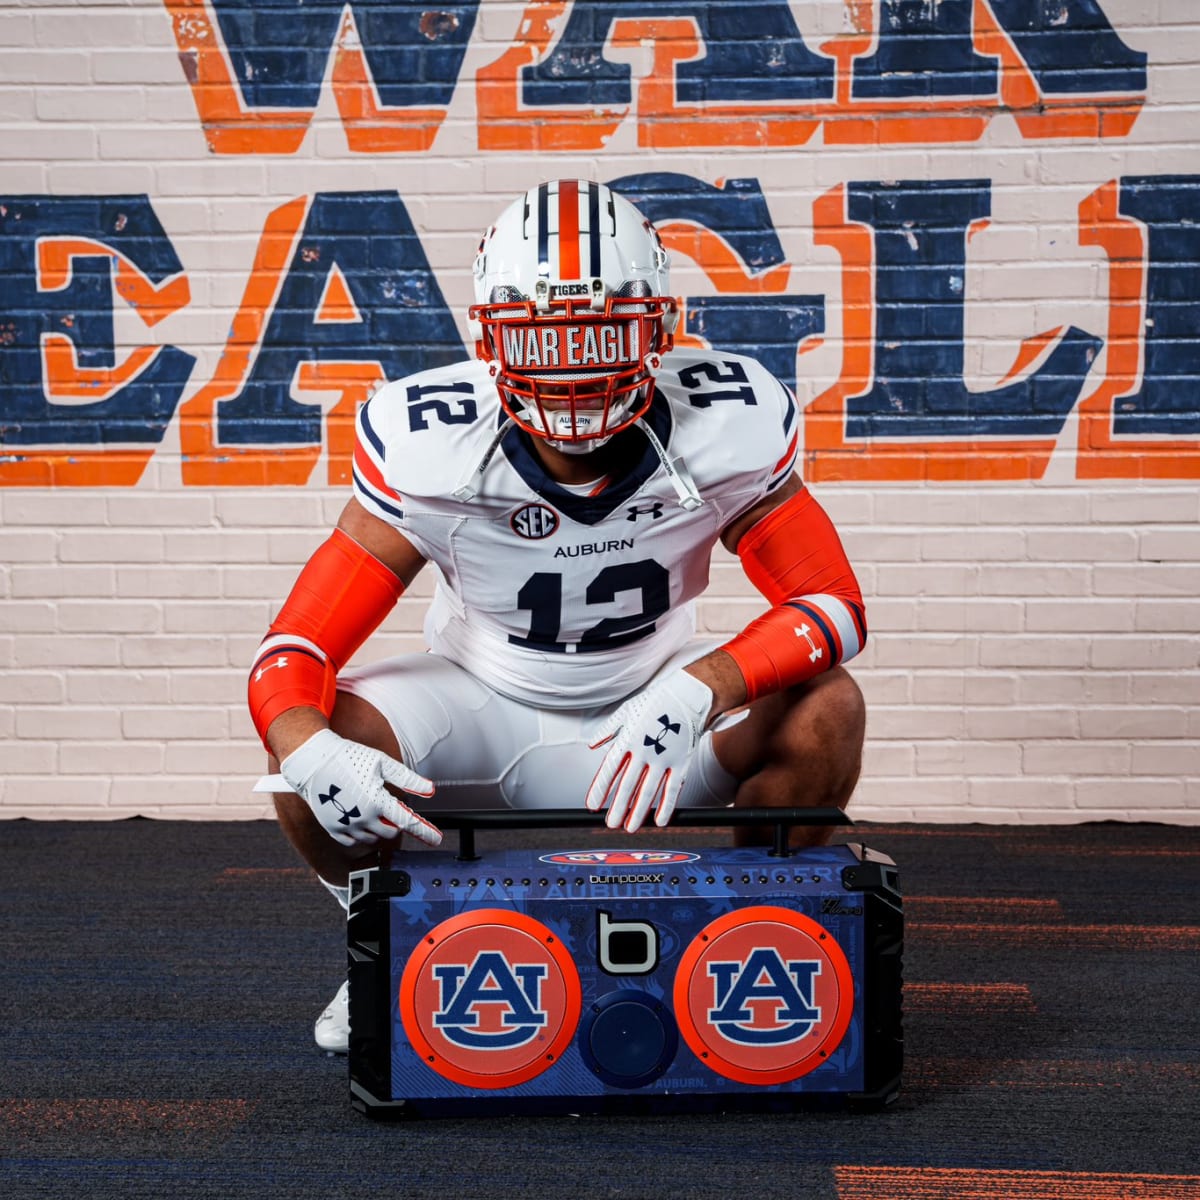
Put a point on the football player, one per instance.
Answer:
(568, 486)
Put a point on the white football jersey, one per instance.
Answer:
(551, 596)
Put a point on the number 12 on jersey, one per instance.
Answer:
(542, 597)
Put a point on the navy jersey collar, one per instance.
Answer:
(591, 510)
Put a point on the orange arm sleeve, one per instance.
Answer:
(795, 558)
(340, 599)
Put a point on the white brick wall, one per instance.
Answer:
(1034, 646)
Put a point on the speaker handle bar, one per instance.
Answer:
(466, 821)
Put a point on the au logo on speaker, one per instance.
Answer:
(490, 998)
(763, 995)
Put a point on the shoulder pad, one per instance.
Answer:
(732, 404)
(426, 430)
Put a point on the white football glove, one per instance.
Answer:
(342, 781)
(652, 738)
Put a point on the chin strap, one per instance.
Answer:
(676, 469)
(469, 488)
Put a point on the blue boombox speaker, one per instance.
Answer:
(588, 980)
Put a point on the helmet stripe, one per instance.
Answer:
(593, 230)
(568, 229)
(543, 229)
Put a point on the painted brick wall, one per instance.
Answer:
(968, 231)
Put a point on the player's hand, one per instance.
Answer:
(342, 781)
(651, 739)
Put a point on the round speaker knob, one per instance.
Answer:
(628, 1038)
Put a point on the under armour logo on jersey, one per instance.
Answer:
(817, 652)
(281, 661)
(652, 509)
(330, 797)
(668, 726)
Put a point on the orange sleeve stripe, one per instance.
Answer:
(787, 454)
(370, 472)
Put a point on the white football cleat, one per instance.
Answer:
(332, 1029)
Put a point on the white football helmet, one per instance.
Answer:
(573, 312)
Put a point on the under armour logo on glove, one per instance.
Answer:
(668, 726)
(360, 809)
(330, 797)
(631, 780)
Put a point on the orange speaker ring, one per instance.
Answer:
(461, 939)
(695, 994)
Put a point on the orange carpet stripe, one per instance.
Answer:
(1048, 1074)
(991, 833)
(1115, 937)
(1137, 852)
(111, 1116)
(1022, 848)
(1051, 841)
(980, 906)
(230, 874)
(979, 997)
(934, 1183)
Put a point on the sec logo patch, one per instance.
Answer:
(534, 521)
(490, 998)
(763, 995)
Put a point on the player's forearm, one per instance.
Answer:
(720, 673)
(291, 729)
